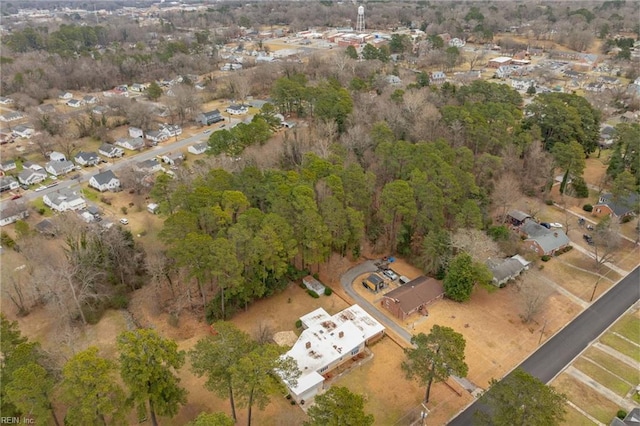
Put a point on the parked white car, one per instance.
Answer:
(124, 221)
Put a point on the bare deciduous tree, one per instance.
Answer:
(532, 296)
(606, 241)
(506, 193)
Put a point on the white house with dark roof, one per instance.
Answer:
(31, 165)
(327, 342)
(156, 136)
(59, 168)
(65, 95)
(505, 270)
(173, 158)
(63, 200)
(198, 148)
(5, 101)
(23, 131)
(135, 132)
(30, 176)
(75, 103)
(105, 181)
(7, 165)
(171, 130)
(110, 151)
(132, 144)
(86, 158)
(437, 77)
(149, 166)
(235, 109)
(11, 116)
(57, 156)
(209, 117)
(12, 212)
(8, 183)
(90, 99)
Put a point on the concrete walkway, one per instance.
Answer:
(602, 390)
(609, 265)
(575, 299)
(622, 357)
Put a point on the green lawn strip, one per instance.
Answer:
(583, 396)
(614, 365)
(629, 327)
(603, 377)
(39, 205)
(90, 194)
(575, 418)
(621, 345)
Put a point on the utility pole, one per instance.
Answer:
(542, 331)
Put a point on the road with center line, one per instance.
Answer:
(548, 361)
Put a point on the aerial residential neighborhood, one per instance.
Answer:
(313, 213)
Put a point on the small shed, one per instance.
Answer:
(517, 217)
(313, 284)
(153, 208)
(373, 282)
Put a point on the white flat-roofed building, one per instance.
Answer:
(327, 342)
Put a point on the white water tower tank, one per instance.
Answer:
(361, 10)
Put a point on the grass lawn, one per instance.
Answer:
(602, 376)
(90, 194)
(621, 345)
(614, 365)
(586, 398)
(629, 327)
(574, 418)
(38, 204)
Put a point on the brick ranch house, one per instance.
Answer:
(413, 297)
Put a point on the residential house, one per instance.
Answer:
(437, 77)
(522, 84)
(86, 159)
(156, 136)
(23, 131)
(65, 96)
(132, 144)
(100, 110)
(7, 165)
(594, 87)
(59, 168)
(210, 117)
(105, 181)
(609, 81)
(631, 419)
(11, 116)
(135, 132)
(328, 342)
(136, 87)
(171, 130)
(46, 228)
(542, 240)
(8, 183)
(149, 166)
(413, 297)
(607, 205)
(198, 148)
(57, 156)
(89, 99)
(466, 77)
(47, 108)
(517, 217)
(507, 269)
(235, 109)
(13, 211)
(110, 151)
(5, 101)
(606, 136)
(63, 200)
(30, 176)
(532, 229)
(75, 103)
(394, 80)
(31, 165)
(173, 159)
(314, 285)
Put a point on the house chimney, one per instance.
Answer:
(308, 345)
(341, 334)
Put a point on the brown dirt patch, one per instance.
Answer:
(584, 397)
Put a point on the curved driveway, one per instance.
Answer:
(347, 279)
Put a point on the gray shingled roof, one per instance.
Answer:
(621, 207)
(553, 240)
(518, 215)
(505, 269)
(104, 177)
(533, 229)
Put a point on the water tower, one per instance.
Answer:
(360, 21)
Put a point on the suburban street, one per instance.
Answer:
(121, 163)
(550, 359)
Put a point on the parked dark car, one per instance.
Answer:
(588, 239)
(546, 225)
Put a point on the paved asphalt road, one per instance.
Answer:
(561, 349)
